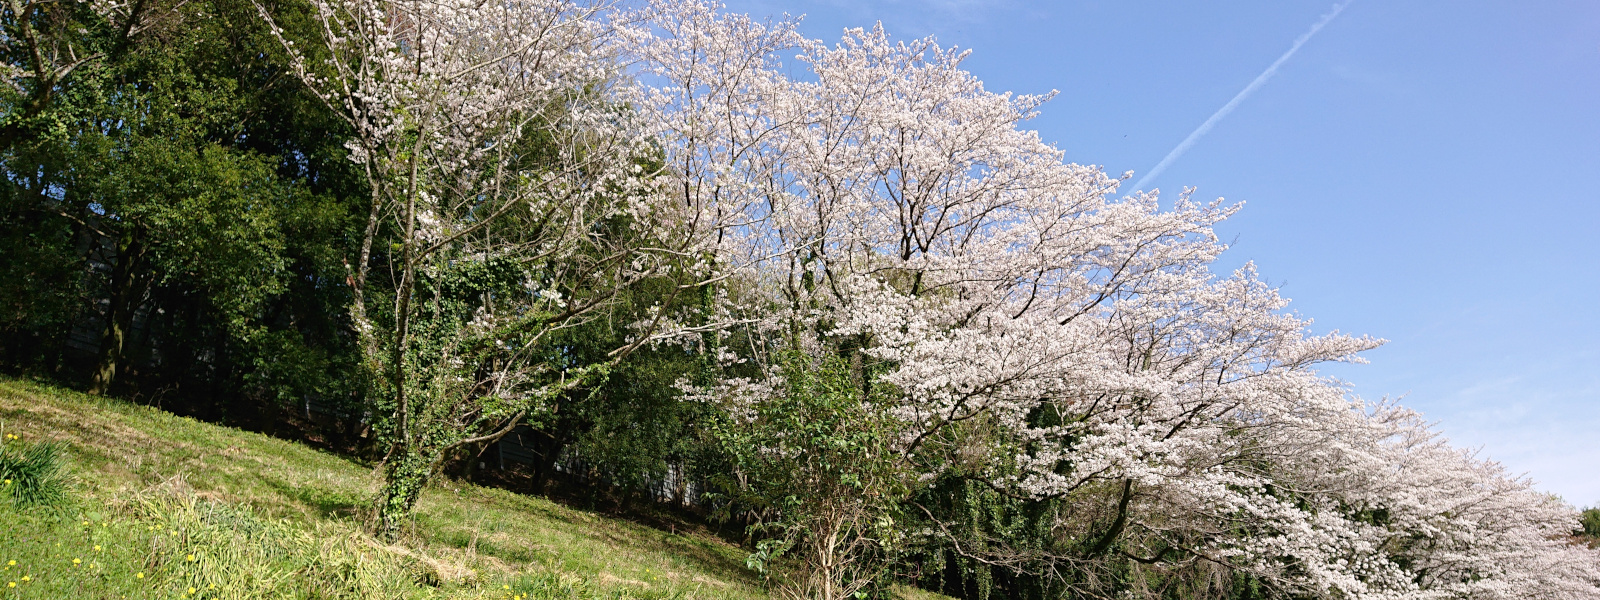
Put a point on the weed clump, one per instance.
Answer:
(34, 475)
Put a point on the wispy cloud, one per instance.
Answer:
(1238, 98)
(1508, 416)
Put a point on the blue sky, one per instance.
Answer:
(1422, 171)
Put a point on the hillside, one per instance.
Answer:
(246, 515)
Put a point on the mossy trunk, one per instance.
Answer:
(126, 291)
(404, 475)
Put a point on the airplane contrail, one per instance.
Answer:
(1237, 98)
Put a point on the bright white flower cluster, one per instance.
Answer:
(884, 196)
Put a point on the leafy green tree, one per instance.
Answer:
(172, 176)
(49, 47)
(814, 450)
(1589, 525)
(633, 424)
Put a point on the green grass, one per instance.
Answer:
(268, 518)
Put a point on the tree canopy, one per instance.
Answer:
(841, 286)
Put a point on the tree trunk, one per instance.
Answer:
(127, 288)
(404, 476)
(1117, 526)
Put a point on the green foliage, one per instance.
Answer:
(816, 457)
(632, 424)
(175, 195)
(985, 544)
(973, 520)
(1589, 523)
(635, 423)
(34, 474)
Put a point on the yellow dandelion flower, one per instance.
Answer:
(191, 590)
(85, 522)
(11, 584)
(506, 586)
(76, 561)
(139, 575)
(191, 558)
(8, 482)
(97, 548)
(11, 563)
(27, 578)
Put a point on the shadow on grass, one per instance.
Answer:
(499, 522)
(330, 504)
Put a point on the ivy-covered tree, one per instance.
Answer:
(510, 202)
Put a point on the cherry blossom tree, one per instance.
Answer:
(1057, 342)
(508, 185)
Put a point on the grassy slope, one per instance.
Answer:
(475, 540)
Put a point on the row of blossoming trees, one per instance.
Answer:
(931, 343)
(1006, 318)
